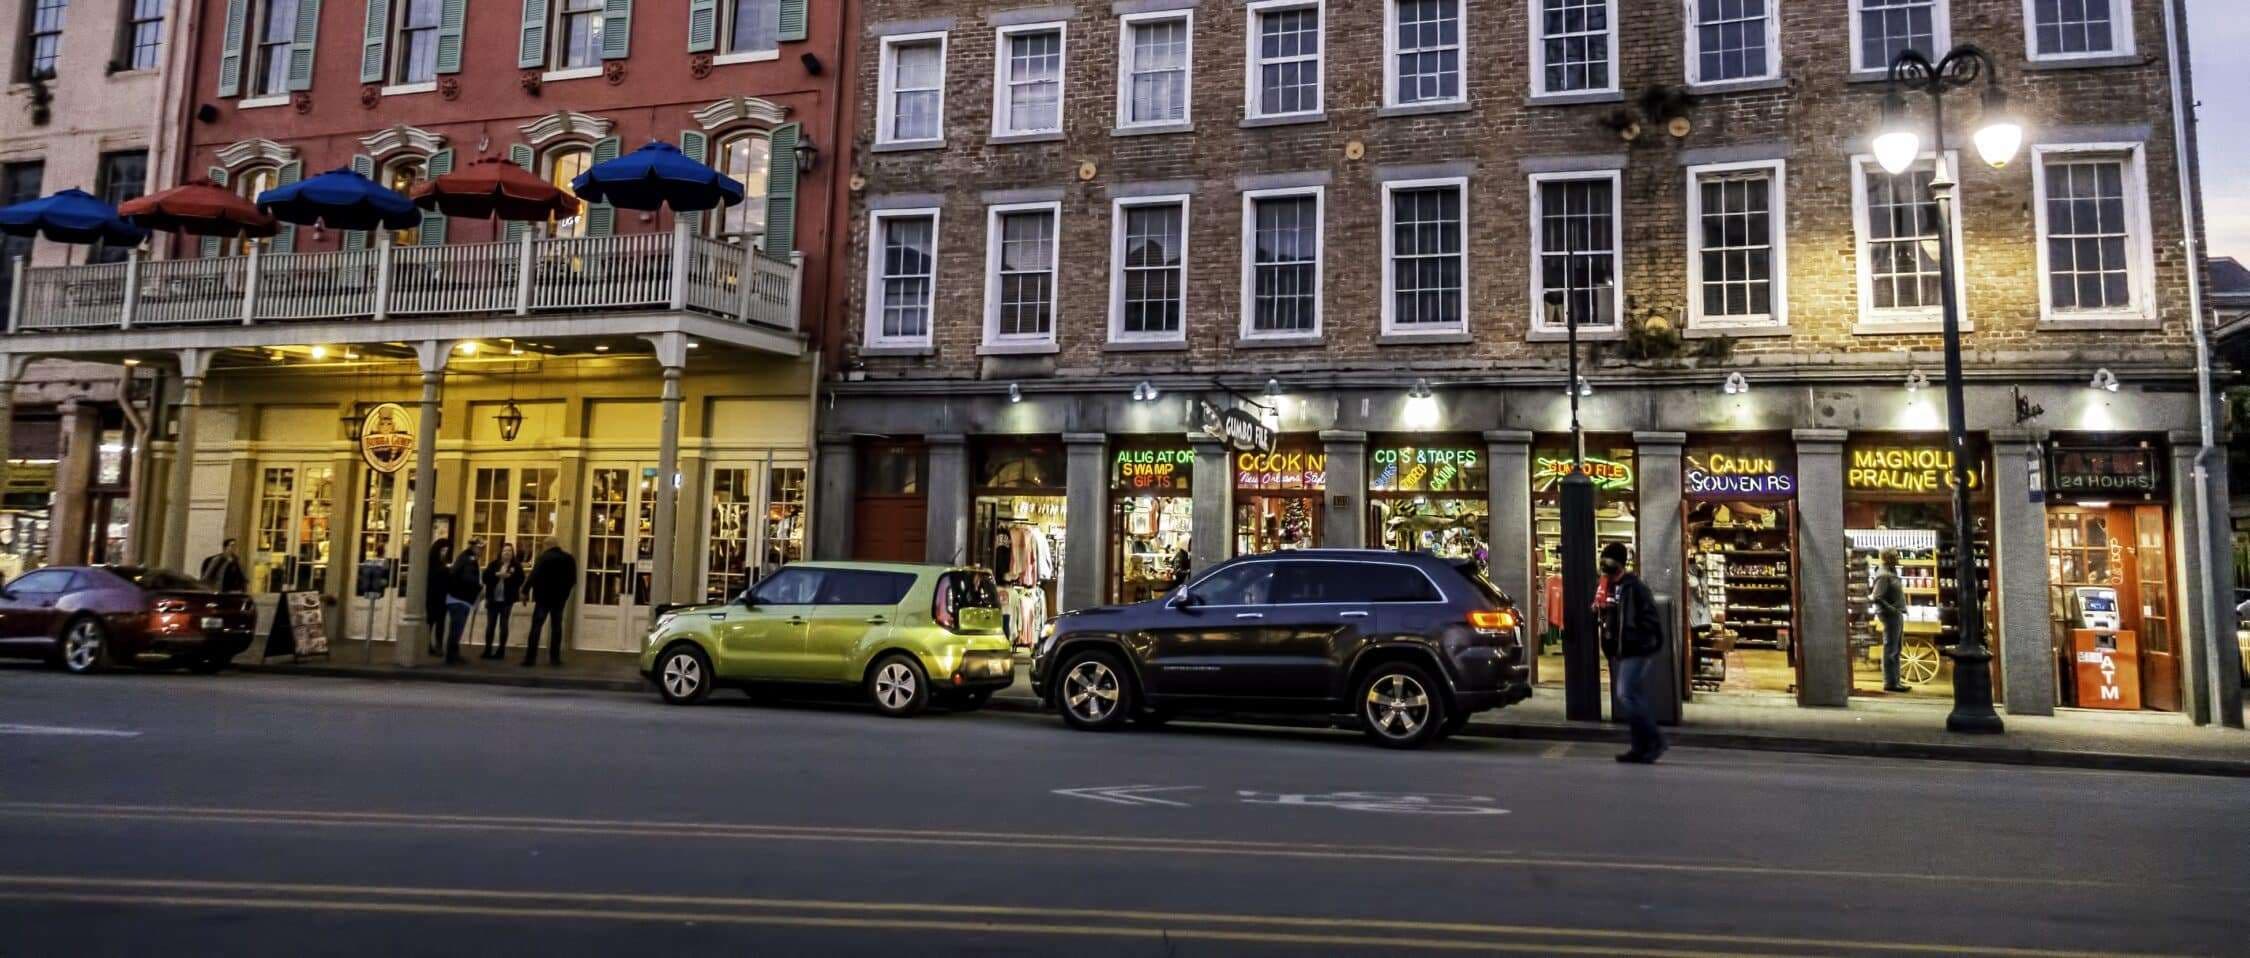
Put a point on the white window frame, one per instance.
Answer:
(1252, 87)
(1536, 17)
(992, 217)
(874, 307)
(1695, 50)
(1941, 36)
(886, 107)
(1537, 282)
(728, 11)
(1249, 276)
(1118, 206)
(1923, 319)
(1460, 185)
(1003, 88)
(1126, 68)
(2120, 35)
(2141, 243)
(1391, 52)
(1777, 218)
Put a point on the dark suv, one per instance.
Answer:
(1405, 645)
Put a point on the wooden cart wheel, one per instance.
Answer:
(1919, 661)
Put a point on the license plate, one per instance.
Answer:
(212, 622)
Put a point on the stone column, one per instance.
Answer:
(1662, 553)
(413, 627)
(1345, 523)
(1822, 636)
(2203, 616)
(194, 365)
(2022, 634)
(666, 524)
(948, 538)
(835, 483)
(1213, 484)
(1508, 453)
(74, 480)
(1085, 560)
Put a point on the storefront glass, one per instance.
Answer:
(1152, 520)
(1898, 501)
(289, 551)
(1278, 497)
(1429, 495)
(513, 505)
(1740, 500)
(2109, 575)
(24, 514)
(744, 542)
(1020, 514)
(1610, 464)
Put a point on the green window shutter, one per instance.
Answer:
(522, 156)
(286, 240)
(531, 38)
(601, 218)
(371, 60)
(617, 29)
(301, 45)
(695, 145)
(781, 190)
(792, 20)
(702, 26)
(212, 244)
(450, 18)
(433, 222)
(363, 165)
(230, 52)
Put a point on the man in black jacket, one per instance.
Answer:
(223, 571)
(554, 575)
(463, 584)
(1632, 636)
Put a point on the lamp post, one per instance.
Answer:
(1898, 146)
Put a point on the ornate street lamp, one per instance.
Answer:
(1898, 146)
(511, 421)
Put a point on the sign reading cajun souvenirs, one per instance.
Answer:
(1241, 431)
(1920, 469)
(386, 438)
(1737, 475)
(1154, 469)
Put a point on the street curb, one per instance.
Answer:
(531, 680)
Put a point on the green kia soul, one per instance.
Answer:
(908, 634)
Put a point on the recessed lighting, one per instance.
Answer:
(320, 352)
(132, 361)
(603, 348)
(692, 344)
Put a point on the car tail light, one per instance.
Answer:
(171, 605)
(1496, 620)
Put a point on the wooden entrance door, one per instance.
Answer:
(890, 528)
(620, 555)
(2152, 598)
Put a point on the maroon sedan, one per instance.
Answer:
(86, 618)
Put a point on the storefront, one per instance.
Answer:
(2114, 616)
(1898, 501)
(1278, 497)
(1739, 506)
(1609, 463)
(26, 517)
(890, 502)
(1020, 513)
(1152, 519)
(1429, 494)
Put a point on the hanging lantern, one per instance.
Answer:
(354, 423)
(511, 421)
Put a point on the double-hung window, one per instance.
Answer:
(1148, 279)
(1733, 40)
(901, 276)
(1286, 41)
(1737, 262)
(1423, 61)
(1020, 288)
(910, 106)
(415, 45)
(1028, 92)
(2077, 29)
(1281, 262)
(143, 37)
(1573, 46)
(2096, 258)
(1577, 251)
(578, 35)
(1883, 29)
(752, 27)
(1425, 256)
(269, 58)
(1896, 218)
(43, 42)
(1154, 84)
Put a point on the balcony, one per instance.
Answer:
(570, 280)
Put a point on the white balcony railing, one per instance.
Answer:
(589, 275)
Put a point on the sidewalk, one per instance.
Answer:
(2136, 741)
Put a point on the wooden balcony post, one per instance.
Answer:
(250, 283)
(16, 294)
(796, 289)
(680, 236)
(132, 288)
(382, 275)
(523, 274)
(746, 283)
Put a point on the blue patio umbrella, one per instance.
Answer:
(341, 200)
(71, 216)
(654, 176)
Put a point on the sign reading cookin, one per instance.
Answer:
(1289, 469)
(1919, 469)
(1721, 475)
(386, 438)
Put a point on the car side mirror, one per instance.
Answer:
(1183, 599)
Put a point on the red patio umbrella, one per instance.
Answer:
(494, 187)
(200, 208)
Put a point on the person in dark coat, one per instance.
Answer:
(1632, 636)
(223, 571)
(503, 589)
(1890, 610)
(436, 585)
(463, 585)
(554, 575)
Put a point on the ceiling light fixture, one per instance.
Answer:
(2104, 380)
(1015, 393)
(1917, 380)
(1737, 384)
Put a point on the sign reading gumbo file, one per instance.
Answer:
(1241, 431)
(386, 438)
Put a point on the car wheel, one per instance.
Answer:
(1400, 706)
(899, 687)
(1094, 692)
(85, 647)
(683, 675)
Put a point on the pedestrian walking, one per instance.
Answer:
(437, 583)
(464, 583)
(1890, 610)
(503, 589)
(223, 570)
(554, 575)
(1632, 636)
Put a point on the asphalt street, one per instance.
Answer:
(284, 815)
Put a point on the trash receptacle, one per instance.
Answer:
(1664, 675)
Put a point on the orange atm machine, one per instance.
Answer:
(2105, 659)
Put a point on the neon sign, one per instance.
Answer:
(1904, 469)
(1281, 470)
(1609, 475)
(1721, 475)
(1153, 468)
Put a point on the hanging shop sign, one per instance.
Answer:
(31, 476)
(1241, 431)
(1153, 469)
(1912, 469)
(386, 438)
(1737, 475)
(1288, 469)
(1427, 469)
(2107, 472)
(1609, 475)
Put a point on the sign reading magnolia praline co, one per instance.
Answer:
(386, 438)
(1917, 469)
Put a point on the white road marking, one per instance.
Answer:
(1128, 794)
(11, 729)
(1397, 802)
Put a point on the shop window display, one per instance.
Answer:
(1152, 521)
(1616, 497)
(290, 550)
(1430, 498)
(2109, 562)
(1020, 516)
(1278, 499)
(1741, 569)
(1898, 500)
